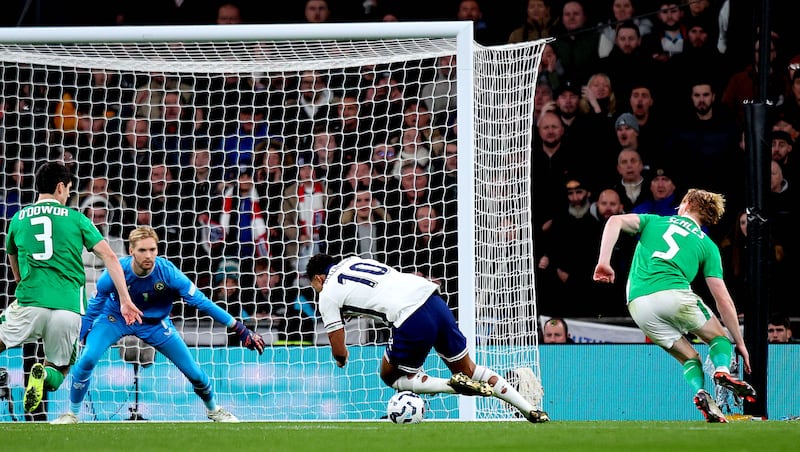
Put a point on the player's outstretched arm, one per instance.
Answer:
(338, 347)
(628, 223)
(129, 310)
(248, 338)
(727, 311)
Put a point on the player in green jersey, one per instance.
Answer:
(44, 244)
(670, 253)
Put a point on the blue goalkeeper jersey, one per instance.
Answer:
(153, 293)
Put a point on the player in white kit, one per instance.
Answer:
(420, 320)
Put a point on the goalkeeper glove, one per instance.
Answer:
(251, 340)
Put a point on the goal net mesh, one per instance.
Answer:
(249, 157)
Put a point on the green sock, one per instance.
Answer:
(719, 350)
(693, 374)
(53, 378)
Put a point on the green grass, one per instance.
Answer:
(383, 436)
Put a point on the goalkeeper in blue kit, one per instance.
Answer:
(154, 284)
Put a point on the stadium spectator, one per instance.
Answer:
(652, 130)
(229, 14)
(242, 219)
(612, 296)
(538, 23)
(551, 73)
(632, 188)
(317, 11)
(145, 273)
(364, 229)
(622, 11)
(699, 56)
(653, 282)
(414, 330)
(782, 146)
(431, 252)
(304, 216)
(484, 32)
(240, 147)
(669, 34)
(707, 137)
(17, 188)
(542, 96)
(575, 234)
(96, 189)
(93, 265)
(159, 195)
(555, 331)
(664, 198)
(309, 112)
(52, 311)
(781, 203)
(575, 45)
(627, 63)
(576, 124)
(439, 94)
(203, 237)
(415, 190)
(134, 156)
(779, 330)
(743, 85)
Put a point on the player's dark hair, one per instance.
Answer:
(319, 264)
(49, 175)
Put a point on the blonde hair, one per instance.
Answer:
(141, 233)
(709, 206)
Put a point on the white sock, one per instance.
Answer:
(503, 389)
(422, 383)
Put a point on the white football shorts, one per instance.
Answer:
(58, 329)
(667, 315)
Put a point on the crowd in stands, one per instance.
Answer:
(245, 176)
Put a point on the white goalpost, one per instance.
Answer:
(249, 148)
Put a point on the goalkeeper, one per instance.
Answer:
(154, 283)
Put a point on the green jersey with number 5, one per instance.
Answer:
(48, 240)
(670, 252)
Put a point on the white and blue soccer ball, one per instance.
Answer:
(405, 407)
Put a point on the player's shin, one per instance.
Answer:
(206, 392)
(693, 374)
(422, 383)
(719, 351)
(53, 378)
(502, 388)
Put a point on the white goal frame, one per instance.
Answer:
(466, 82)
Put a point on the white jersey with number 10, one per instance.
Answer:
(358, 287)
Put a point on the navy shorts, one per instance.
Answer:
(430, 326)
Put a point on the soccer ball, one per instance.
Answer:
(405, 407)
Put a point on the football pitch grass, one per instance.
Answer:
(384, 436)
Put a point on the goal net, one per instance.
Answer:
(249, 149)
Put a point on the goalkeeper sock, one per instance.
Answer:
(502, 388)
(693, 374)
(77, 392)
(53, 378)
(422, 383)
(206, 393)
(720, 350)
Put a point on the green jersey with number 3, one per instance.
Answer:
(48, 240)
(670, 252)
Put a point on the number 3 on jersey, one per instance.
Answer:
(46, 237)
(670, 239)
(363, 267)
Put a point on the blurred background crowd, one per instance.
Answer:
(247, 175)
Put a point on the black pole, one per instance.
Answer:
(758, 170)
(757, 311)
